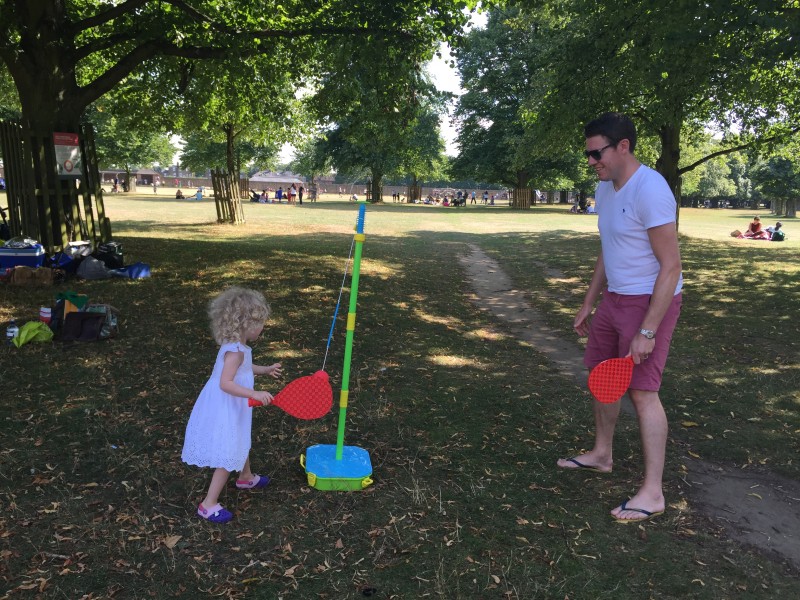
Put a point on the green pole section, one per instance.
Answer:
(351, 327)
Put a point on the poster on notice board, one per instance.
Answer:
(68, 154)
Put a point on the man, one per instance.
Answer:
(638, 273)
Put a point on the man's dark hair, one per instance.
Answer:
(614, 126)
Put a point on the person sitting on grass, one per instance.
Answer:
(754, 230)
(776, 233)
(218, 431)
(179, 195)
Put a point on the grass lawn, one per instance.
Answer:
(463, 422)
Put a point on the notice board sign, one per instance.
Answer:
(68, 154)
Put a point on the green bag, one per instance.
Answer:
(33, 331)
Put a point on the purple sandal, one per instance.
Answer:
(259, 482)
(215, 514)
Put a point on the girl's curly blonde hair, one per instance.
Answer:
(234, 311)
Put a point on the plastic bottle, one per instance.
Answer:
(11, 332)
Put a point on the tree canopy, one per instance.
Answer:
(542, 68)
(65, 55)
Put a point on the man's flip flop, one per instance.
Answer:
(215, 514)
(580, 466)
(647, 514)
(259, 482)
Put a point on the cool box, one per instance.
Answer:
(21, 257)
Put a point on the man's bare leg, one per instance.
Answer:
(653, 431)
(600, 457)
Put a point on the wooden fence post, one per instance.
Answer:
(227, 197)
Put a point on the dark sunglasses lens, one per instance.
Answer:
(595, 154)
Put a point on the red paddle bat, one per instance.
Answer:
(309, 397)
(609, 380)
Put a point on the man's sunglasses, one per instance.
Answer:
(597, 154)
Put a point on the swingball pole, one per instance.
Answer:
(340, 467)
(351, 327)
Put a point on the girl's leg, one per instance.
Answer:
(246, 474)
(218, 481)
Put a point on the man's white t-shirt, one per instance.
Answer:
(624, 216)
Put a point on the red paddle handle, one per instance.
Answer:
(252, 402)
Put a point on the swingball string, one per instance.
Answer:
(338, 302)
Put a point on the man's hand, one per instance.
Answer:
(641, 348)
(582, 320)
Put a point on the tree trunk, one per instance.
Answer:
(413, 196)
(667, 163)
(523, 178)
(129, 185)
(45, 79)
(791, 208)
(230, 159)
(377, 186)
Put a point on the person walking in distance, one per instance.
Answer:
(638, 275)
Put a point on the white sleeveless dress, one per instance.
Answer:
(218, 432)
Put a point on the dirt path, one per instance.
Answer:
(757, 509)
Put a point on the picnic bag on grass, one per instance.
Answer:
(110, 254)
(97, 322)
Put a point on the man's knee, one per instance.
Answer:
(644, 398)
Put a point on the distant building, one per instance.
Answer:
(268, 179)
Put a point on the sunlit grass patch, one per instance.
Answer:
(445, 360)
(446, 320)
(490, 335)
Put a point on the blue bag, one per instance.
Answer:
(137, 270)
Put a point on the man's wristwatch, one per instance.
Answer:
(648, 333)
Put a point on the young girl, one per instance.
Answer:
(218, 432)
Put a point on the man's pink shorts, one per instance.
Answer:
(616, 321)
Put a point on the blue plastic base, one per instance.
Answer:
(324, 472)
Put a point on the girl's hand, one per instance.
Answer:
(264, 397)
(275, 371)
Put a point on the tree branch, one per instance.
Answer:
(100, 44)
(126, 65)
(696, 164)
(106, 16)
(152, 48)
